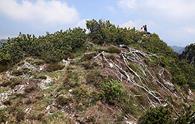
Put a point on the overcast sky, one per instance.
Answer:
(173, 20)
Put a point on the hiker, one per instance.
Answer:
(142, 29)
(145, 28)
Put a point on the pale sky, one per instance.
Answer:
(173, 20)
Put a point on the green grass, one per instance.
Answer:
(3, 89)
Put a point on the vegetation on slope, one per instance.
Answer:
(189, 53)
(65, 44)
(73, 66)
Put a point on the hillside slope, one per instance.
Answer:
(109, 75)
(114, 85)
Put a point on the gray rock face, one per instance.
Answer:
(45, 83)
(169, 85)
(19, 89)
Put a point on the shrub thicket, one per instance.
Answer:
(51, 48)
(63, 44)
(112, 91)
(158, 115)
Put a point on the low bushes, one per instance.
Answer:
(13, 82)
(21, 71)
(112, 91)
(159, 115)
(3, 116)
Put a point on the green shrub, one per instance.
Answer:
(84, 97)
(51, 47)
(81, 93)
(71, 80)
(159, 115)
(3, 116)
(13, 82)
(188, 117)
(3, 89)
(192, 85)
(189, 53)
(180, 79)
(112, 91)
(20, 115)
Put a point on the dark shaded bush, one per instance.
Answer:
(159, 115)
(63, 100)
(188, 117)
(113, 49)
(3, 67)
(88, 56)
(189, 54)
(13, 82)
(30, 88)
(19, 114)
(21, 72)
(54, 67)
(37, 62)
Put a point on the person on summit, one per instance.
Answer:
(145, 28)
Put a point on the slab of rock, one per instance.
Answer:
(45, 83)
